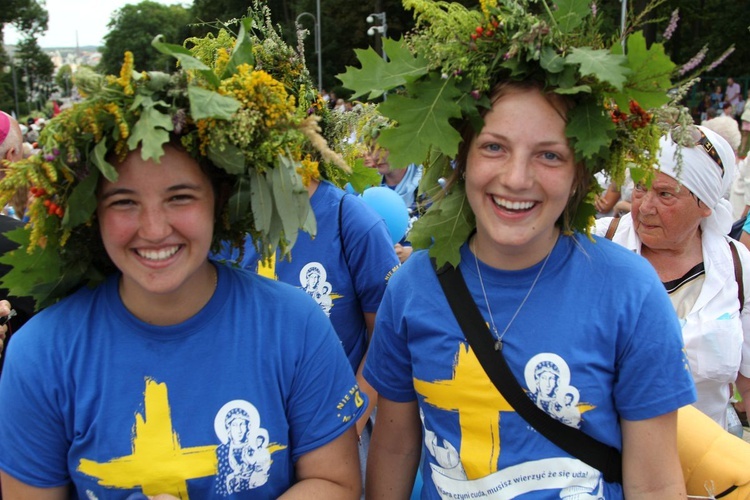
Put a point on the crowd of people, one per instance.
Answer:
(205, 313)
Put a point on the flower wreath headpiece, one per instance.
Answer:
(440, 74)
(246, 104)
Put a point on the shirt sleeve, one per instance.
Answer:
(654, 341)
(325, 399)
(33, 436)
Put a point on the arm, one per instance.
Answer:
(394, 451)
(650, 462)
(364, 386)
(743, 387)
(13, 489)
(331, 471)
(605, 202)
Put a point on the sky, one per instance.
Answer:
(86, 19)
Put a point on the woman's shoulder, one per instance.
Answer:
(612, 257)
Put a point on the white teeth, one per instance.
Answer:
(513, 205)
(158, 254)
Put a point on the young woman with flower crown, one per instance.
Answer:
(586, 328)
(176, 376)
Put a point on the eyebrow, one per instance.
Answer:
(541, 144)
(126, 191)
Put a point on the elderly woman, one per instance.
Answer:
(679, 224)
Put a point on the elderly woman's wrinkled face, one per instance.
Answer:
(667, 215)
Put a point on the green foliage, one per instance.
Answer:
(377, 75)
(600, 63)
(423, 121)
(445, 226)
(651, 71)
(363, 177)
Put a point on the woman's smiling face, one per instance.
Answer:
(519, 176)
(157, 221)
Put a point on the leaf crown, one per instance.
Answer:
(437, 78)
(243, 103)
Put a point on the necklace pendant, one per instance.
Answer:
(498, 345)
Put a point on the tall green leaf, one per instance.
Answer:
(82, 201)
(239, 202)
(98, 158)
(243, 49)
(262, 201)
(186, 59)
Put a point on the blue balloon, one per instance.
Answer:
(350, 189)
(392, 209)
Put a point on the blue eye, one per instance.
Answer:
(551, 156)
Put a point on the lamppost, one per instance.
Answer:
(11, 68)
(316, 32)
(382, 30)
(623, 20)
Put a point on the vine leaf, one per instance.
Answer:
(601, 63)
(654, 69)
(445, 227)
(569, 14)
(151, 130)
(377, 75)
(590, 128)
(421, 122)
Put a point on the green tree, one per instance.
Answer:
(37, 70)
(30, 18)
(64, 80)
(27, 16)
(134, 26)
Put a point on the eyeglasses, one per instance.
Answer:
(702, 141)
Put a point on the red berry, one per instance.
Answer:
(480, 30)
(46, 203)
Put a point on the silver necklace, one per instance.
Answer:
(499, 341)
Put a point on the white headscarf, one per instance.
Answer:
(703, 176)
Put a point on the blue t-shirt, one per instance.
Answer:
(596, 340)
(344, 286)
(221, 404)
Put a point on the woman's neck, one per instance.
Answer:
(673, 263)
(175, 307)
(393, 177)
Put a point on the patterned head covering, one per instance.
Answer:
(707, 169)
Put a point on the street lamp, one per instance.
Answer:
(12, 69)
(623, 21)
(382, 30)
(316, 32)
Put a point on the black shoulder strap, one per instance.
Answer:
(572, 440)
(738, 274)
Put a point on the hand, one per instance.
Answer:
(4, 311)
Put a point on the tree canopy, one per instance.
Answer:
(134, 26)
